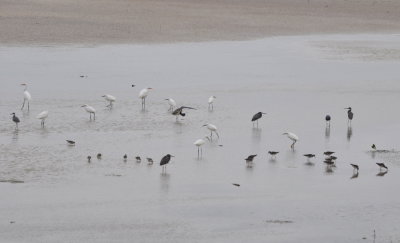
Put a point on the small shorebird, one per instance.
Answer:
(99, 156)
(355, 167)
(138, 159)
(309, 156)
(125, 157)
(150, 161)
(382, 165)
(89, 158)
(70, 142)
(249, 159)
(273, 153)
(327, 153)
(292, 137)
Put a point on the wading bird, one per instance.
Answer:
(328, 153)
(125, 157)
(150, 161)
(138, 159)
(171, 103)
(211, 102)
(89, 158)
(70, 142)
(273, 153)
(328, 120)
(15, 119)
(199, 143)
(292, 137)
(110, 99)
(382, 165)
(349, 115)
(164, 161)
(309, 156)
(27, 96)
(90, 110)
(99, 156)
(178, 112)
(42, 116)
(249, 159)
(212, 129)
(142, 95)
(355, 167)
(257, 116)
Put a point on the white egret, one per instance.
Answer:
(172, 104)
(110, 99)
(27, 96)
(212, 129)
(211, 102)
(142, 95)
(90, 110)
(15, 119)
(199, 143)
(292, 137)
(42, 116)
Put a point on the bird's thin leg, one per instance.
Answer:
(201, 149)
(217, 134)
(28, 105)
(212, 105)
(94, 116)
(257, 123)
(211, 135)
(198, 152)
(23, 104)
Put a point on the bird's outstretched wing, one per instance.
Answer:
(187, 107)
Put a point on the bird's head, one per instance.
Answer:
(84, 105)
(169, 155)
(205, 125)
(263, 113)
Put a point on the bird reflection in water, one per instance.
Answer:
(164, 181)
(355, 175)
(327, 132)
(382, 173)
(349, 133)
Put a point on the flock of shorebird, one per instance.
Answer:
(329, 160)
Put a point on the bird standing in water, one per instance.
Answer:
(350, 115)
(90, 110)
(110, 99)
(292, 137)
(164, 161)
(257, 116)
(15, 119)
(27, 96)
(142, 95)
(211, 102)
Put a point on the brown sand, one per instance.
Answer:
(153, 21)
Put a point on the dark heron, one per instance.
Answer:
(178, 112)
(331, 157)
(257, 116)
(138, 159)
(328, 120)
(328, 153)
(349, 115)
(89, 158)
(250, 158)
(150, 161)
(355, 167)
(99, 156)
(273, 153)
(70, 142)
(15, 119)
(382, 165)
(329, 162)
(164, 161)
(309, 156)
(125, 157)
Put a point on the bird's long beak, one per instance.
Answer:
(166, 99)
(284, 133)
(83, 106)
(172, 156)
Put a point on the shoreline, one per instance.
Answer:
(90, 22)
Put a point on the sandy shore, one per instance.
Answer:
(156, 21)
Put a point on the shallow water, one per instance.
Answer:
(295, 80)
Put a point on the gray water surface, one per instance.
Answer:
(295, 80)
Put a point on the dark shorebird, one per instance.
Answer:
(150, 161)
(178, 112)
(125, 157)
(329, 162)
(273, 153)
(349, 115)
(138, 159)
(236, 184)
(15, 119)
(99, 156)
(328, 120)
(355, 167)
(309, 155)
(382, 165)
(89, 158)
(373, 147)
(164, 161)
(257, 116)
(328, 153)
(70, 142)
(249, 159)
(331, 157)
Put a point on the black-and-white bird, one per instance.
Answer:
(70, 142)
(355, 167)
(164, 161)
(89, 109)
(125, 157)
(178, 112)
(15, 119)
(250, 159)
(382, 165)
(138, 159)
(350, 115)
(99, 156)
(150, 161)
(257, 116)
(171, 103)
(331, 157)
(309, 156)
(273, 153)
(328, 153)
(212, 128)
(328, 120)
(373, 147)
(89, 158)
